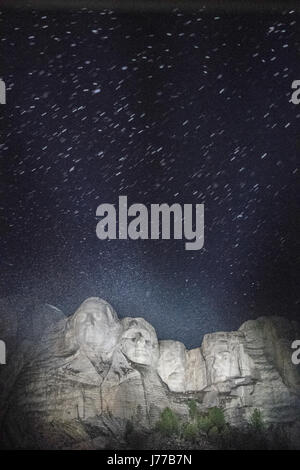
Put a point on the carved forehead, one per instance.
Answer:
(174, 351)
(96, 309)
(222, 343)
(132, 326)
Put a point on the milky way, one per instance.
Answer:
(176, 107)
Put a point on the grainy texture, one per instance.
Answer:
(91, 374)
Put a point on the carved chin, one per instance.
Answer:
(141, 357)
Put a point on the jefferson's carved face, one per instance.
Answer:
(95, 326)
(139, 341)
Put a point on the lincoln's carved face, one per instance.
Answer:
(95, 326)
(226, 363)
(139, 341)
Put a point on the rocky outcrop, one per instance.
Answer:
(23, 318)
(92, 374)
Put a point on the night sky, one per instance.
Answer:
(187, 107)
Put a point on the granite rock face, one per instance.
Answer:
(91, 374)
(23, 318)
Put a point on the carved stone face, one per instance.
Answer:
(223, 352)
(139, 341)
(95, 326)
(172, 365)
(225, 366)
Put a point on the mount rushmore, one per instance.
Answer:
(81, 381)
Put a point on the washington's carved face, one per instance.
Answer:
(139, 341)
(95, 326)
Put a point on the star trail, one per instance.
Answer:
(180, 107)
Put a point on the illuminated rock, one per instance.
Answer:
(172, 365)
(182, 370)
(91, 374)
(94, 329)
(139, 341)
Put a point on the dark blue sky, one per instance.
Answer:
(179, 107)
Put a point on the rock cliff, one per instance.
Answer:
(89, 375)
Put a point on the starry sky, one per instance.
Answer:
(180, 106)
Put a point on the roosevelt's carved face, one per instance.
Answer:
(172, 364)
(95, 326)
(139, 341)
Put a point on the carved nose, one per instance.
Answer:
(141, 340)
